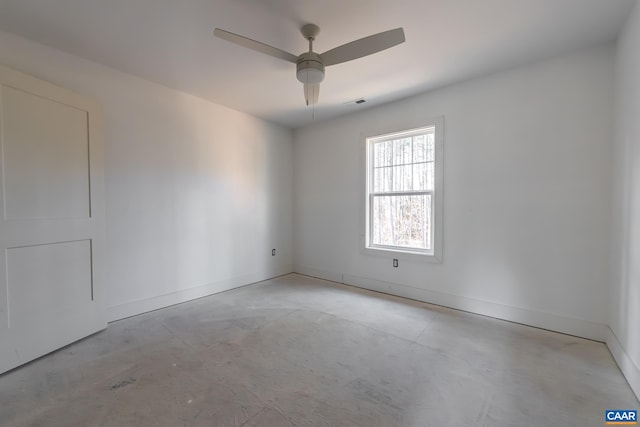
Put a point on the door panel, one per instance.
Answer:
(46, 168)
(52, 222)
(54, 279)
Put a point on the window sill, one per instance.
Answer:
(403, 255)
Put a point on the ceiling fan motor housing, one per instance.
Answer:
(310, 68)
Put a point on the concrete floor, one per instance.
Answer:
(296, 351)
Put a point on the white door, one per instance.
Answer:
(51, 218)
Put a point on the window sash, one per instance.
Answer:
(400, 248)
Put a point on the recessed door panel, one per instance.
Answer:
(46, 157)
(50, 280)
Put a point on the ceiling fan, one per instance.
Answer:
(310, 65)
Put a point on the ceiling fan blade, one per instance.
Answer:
(311, 93)
(363, 47)
(255, 45)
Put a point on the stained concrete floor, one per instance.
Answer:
(297, 351)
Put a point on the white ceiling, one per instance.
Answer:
(171, 42)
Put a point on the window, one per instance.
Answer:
(404, 191)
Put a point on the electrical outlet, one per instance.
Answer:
(395, 262)
(273, 252)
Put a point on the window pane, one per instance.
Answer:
(388, 153)
(420, 176)
(378, 180)
(402, 179)
(430, 147)
(397, 151)
(430, 176)
(407, 178)
(402, 221)
(395, 180)
(419, 148)
(378, 154)
(387, 176)
(406, 151)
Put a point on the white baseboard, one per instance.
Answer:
(629, 369)
(538, 319)
(134, 308)
(319, 274)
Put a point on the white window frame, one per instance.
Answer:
(435, 254)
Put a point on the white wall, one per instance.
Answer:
(625, 309)
(527, 181)
(197, 194)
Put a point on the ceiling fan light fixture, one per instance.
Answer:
(310, 75)
(310, 69)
